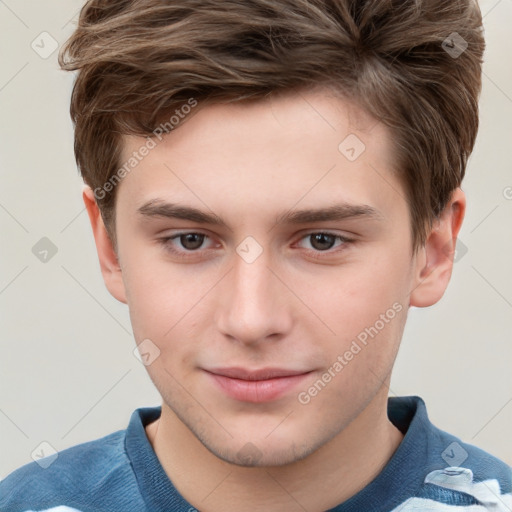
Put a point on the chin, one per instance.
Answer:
(252, 456)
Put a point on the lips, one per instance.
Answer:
(256, 386)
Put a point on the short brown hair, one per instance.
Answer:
(404, 62)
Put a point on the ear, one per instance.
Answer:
(434, 262)
(109, 262)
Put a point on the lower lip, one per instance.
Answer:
(257, 391)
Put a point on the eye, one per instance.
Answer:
(184, 242)
(189, 244)
(191, 241)
(323, 241)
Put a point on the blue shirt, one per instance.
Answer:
(430, 471)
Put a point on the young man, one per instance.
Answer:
(271, 185)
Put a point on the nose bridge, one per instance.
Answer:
(251, 281)
(252, 309)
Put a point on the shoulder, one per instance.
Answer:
(77, 475)
(481, 465)
(460, 473)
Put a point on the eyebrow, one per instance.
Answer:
(343, 211)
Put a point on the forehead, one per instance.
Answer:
(301, 114)
(306, 146)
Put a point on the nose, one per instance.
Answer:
(255, 304)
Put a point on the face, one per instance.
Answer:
(268, 260)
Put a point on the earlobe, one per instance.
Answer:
(435, 260)
(109, 262)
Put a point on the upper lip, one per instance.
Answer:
(261, 374)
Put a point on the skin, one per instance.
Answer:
(294, 307)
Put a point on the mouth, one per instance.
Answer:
(256, 386)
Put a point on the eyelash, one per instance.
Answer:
(316, 254)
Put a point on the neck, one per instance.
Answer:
(324, 479)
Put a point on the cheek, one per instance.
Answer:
(166, 304)
(157, 292)
(355, 296)
(153, 299)
(366, 307)
(362, 356)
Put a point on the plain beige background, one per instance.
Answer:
(67, 369)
